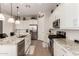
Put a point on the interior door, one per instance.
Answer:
(34, 31)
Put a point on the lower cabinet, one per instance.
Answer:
(21, 48)
(59, 51)
(27, 42)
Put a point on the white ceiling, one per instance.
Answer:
(34, 9)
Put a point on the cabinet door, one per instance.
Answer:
(58, 50)
(27, 42)
(69, 15)
(69, 54)
(55, 49)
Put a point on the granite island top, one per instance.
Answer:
(69, 45)
(10, 40)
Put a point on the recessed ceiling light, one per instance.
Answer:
(21, 3)
(40, 3)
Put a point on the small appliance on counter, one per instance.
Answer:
(3, 35)
(76, 41)
(12, 33)
(61, 34)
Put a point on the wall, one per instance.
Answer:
(46, 26)
(7, 27)
(21, 28)
(67, 14)
(25, 24)
(43, 27)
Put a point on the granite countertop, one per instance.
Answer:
(69, 45)
(10, 40)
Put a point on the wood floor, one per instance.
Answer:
(39, 49)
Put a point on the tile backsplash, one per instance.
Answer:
(70, 34)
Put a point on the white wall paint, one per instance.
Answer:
(25, 24)
(41, 32)
(7, 27)
(67, 14)
(46, 25)
(43, 27)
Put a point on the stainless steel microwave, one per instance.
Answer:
(56, 23)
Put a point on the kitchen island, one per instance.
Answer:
(10, 46)
(15, 45)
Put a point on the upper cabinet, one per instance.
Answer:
(68, 14)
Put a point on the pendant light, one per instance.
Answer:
(11, 19)
(18, 20)
(1, 15)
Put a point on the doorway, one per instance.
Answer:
(1, 27)
(34, 31)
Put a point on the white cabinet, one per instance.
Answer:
(27, 42)
(8, 50)
(68, 13)
(60, 51)
(69, 16)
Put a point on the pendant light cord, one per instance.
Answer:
(11, 9)
(0, 7)
(17, 11)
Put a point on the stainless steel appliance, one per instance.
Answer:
(56, 23)
(61, 34)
